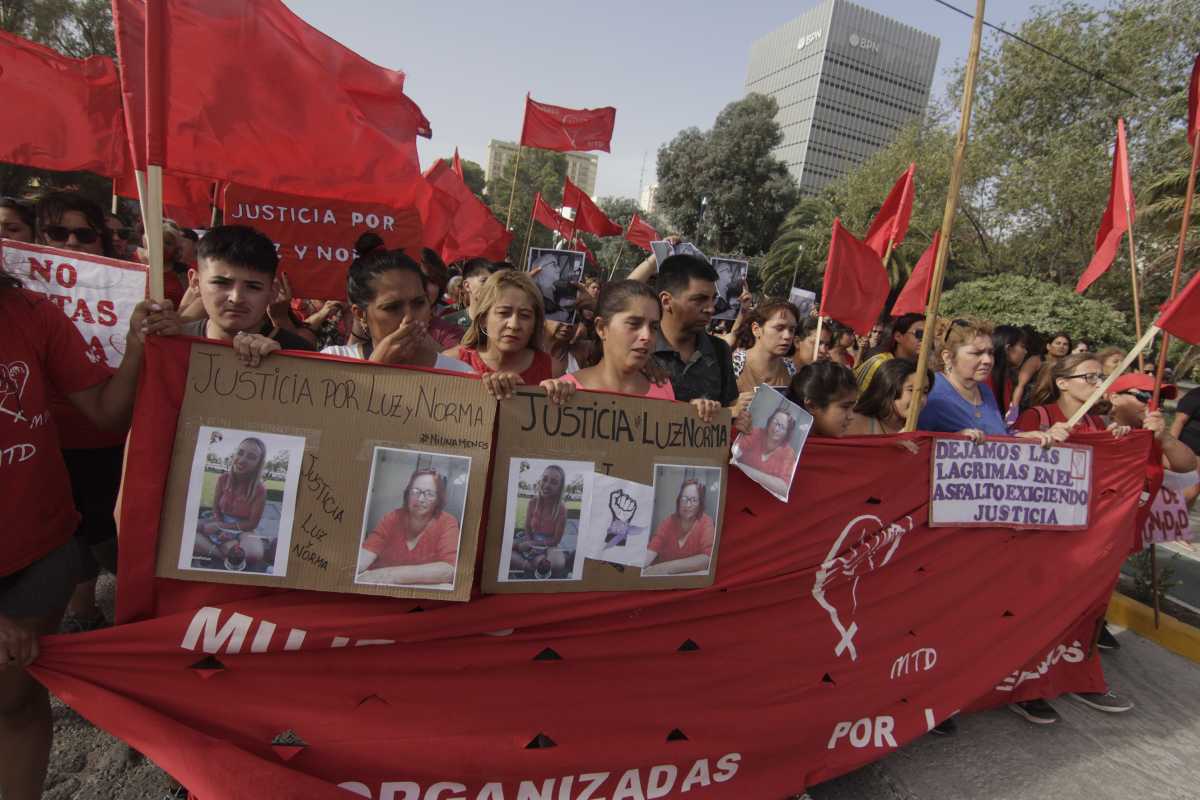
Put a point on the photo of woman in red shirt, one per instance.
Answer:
(226, 530)
(417, 543)
(766, 454)
(683, 541)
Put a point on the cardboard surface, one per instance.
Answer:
(344, 411)
(625, 437)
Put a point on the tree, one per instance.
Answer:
(541, 171)
(723, 188)
(1048, 307)
(472, 175)
(620, 210)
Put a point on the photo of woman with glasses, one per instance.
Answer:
(416, 543)
(685, 514)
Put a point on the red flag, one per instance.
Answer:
(1114, 223)
(856, 284)
(457, 165)
(587, 253)
(457, 223)
(891, 223)
(243, 90)
(546, 216)
(63, 113)
(1194, 104)
(1181, 316)
(588, 216)
(915, 294)
(640, 233)
(557, 128)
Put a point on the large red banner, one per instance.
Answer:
(840, 626)
(314, 237)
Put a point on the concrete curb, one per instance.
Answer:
(1171, 634)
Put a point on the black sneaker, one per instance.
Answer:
(1039, 712)
(1107, 641)
(947, 727)
(1109, 701)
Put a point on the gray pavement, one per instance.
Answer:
(1149, 753)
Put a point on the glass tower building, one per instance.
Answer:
(846, 80)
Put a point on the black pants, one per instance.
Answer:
(95, 482)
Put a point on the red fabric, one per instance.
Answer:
(457, 224)
(588, 216)
(547, 217)
(1007, 616)
(1193, 127)
(187, 201)
(1180, 317)
(557, 128)
(1031, 420)
(891, 223)
(64, 113)
(438, 541)
(232, 502)
(1115, 222)
(456, 165)
(587, 252)
(665, 542)
(540, 369)
(41, 354)
(243, 90)
(856, 284)
(778, 463)
(640, 233)
(545, 528)
(915, 294)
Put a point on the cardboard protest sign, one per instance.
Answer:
(557, 274)
(553, 503)
(1010, 484)
(98, 294)
(731, 281)
(315, 237)
(325, 474)
(770, 452)
(1169, 520)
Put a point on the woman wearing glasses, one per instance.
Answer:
(1073, 379)
(71, 221)
(416, 544)
(901, 339)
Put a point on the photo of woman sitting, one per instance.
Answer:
(416, 544)
(226, 531)
(535, 548)
(766, 455)
(683, 541)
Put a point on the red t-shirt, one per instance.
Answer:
(778, 463)
(1031, 420)
(540, 369)
(41, 352)
(437, 542)
(232, 502)
(665, 541)
(545, 528)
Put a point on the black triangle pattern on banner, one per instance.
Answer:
(1008, 613)
(677, 735)
(208, 663)
(540, 742)
(750, 511)
(921, 569)
(548, 654)
(688, 647)
(415, 609)
(289, 738)
(874, 501)
(828, 679)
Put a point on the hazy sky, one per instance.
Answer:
(665, 64)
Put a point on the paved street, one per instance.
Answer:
(1149, 753)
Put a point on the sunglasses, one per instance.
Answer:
(125, 234)
(61, 233)
(1142, 397)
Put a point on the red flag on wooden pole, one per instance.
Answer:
(1193, 128)
(459, 224)
(1181, 316)
(557, 128)
(856, 284)
(915, 294)
(1115, 221)
(640, 233)
(891, 223)
(588, 216)
(457, 165)
(546, 216)
(63, 113)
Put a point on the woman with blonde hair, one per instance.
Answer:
(504, 339)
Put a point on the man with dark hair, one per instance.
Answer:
(235, 277)
(700, 365)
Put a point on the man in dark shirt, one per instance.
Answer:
(700, 365)
(235, 276)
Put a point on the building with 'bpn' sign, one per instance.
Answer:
(847, 79)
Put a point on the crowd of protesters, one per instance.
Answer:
(649, 335)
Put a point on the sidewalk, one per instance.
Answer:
(1149, 753)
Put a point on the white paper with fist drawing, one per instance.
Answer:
(616, 521)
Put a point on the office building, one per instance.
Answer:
(847, 79)
(649, 195)
(581, 167)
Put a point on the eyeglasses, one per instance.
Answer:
(61, 233)
(1142, 397)
(424, 494)
(687, 500)
(1091, 377)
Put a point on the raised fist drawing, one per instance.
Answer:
(622, 506)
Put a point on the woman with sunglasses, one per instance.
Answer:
(1074, 378)
(901, 339)
(71, 221)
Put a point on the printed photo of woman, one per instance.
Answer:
(683, 538)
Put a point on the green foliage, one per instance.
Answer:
(540, 171)
(722, 188)
(1022, 300)
(620, 210)
(1142, 589)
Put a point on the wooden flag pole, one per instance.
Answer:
(512, 195)
(817, 343)
(1133, 274)
(154, 229)
(216, 191)
(528, 236)
(956, 169)
(139, 177)
(617, 260)
(1179, 251)
(115, 202)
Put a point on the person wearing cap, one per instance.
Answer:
(1129, 397)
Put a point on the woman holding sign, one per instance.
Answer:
(1073, 379)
